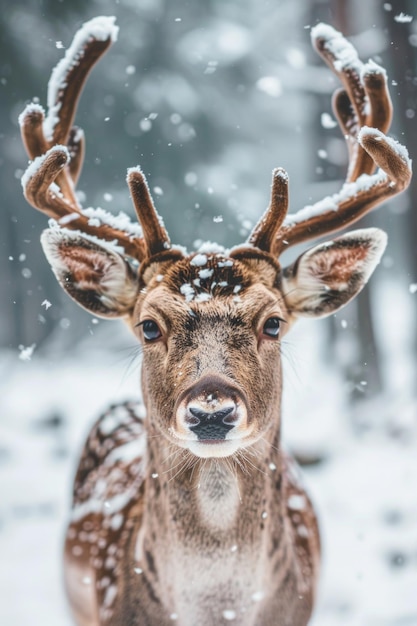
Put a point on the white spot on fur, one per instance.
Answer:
(110, 595)
(296, 502)
(116, 521)
(302, 531)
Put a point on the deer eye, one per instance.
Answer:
(271, 327)
(151, 330)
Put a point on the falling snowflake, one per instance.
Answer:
(402, 18)
(26, 353)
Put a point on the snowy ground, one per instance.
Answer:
(365, 490)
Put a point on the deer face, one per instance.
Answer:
(211, 325)
(211, 330)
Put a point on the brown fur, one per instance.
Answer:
(226, 523)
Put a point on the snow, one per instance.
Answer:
(396, 146)
(340, 48)
(37, 163)
(187, 291)
(210, 247)
(112, 246)
(205, 273)
(332, 203)
(25, 354)
(327, 121)
(203, 297)
(99, 28)
(29, 109)
(403, 18)
(271, 85)
(257, 596)
(199, 260)
(229, 615)
(67, 219)
(121, 221)
(372, 68)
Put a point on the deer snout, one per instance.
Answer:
(213, 409)
(212, 424)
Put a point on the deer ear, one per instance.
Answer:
(325, 278)
(95, 276)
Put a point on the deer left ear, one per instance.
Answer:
(94, 275)
(325, 278)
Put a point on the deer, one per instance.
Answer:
(186, 508)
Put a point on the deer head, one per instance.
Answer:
(211, 322)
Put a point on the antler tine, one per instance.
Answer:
(264, 233)
(31, 127)
(367, 92)
(364, 111)
(57, 148)
(356, 198)
(154, 233)
(41, 193)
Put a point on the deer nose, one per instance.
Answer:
(212, 425)
(211, 408)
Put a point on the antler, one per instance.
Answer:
(363, 109)
(57, 151)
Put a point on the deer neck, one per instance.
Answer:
(214, 522)
(211, 493)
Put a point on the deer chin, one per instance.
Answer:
(214, 448)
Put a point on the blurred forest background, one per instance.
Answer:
(208, 96)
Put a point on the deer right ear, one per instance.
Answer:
(325, 278)
(94, 275)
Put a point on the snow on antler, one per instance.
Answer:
(100, 28)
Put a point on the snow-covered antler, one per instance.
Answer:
(57, 150)
(363, 109)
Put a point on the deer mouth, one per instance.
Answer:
(213, 448)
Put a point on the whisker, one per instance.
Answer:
(271, 445)
(255, 467)
(181, 462)
(240, 464)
